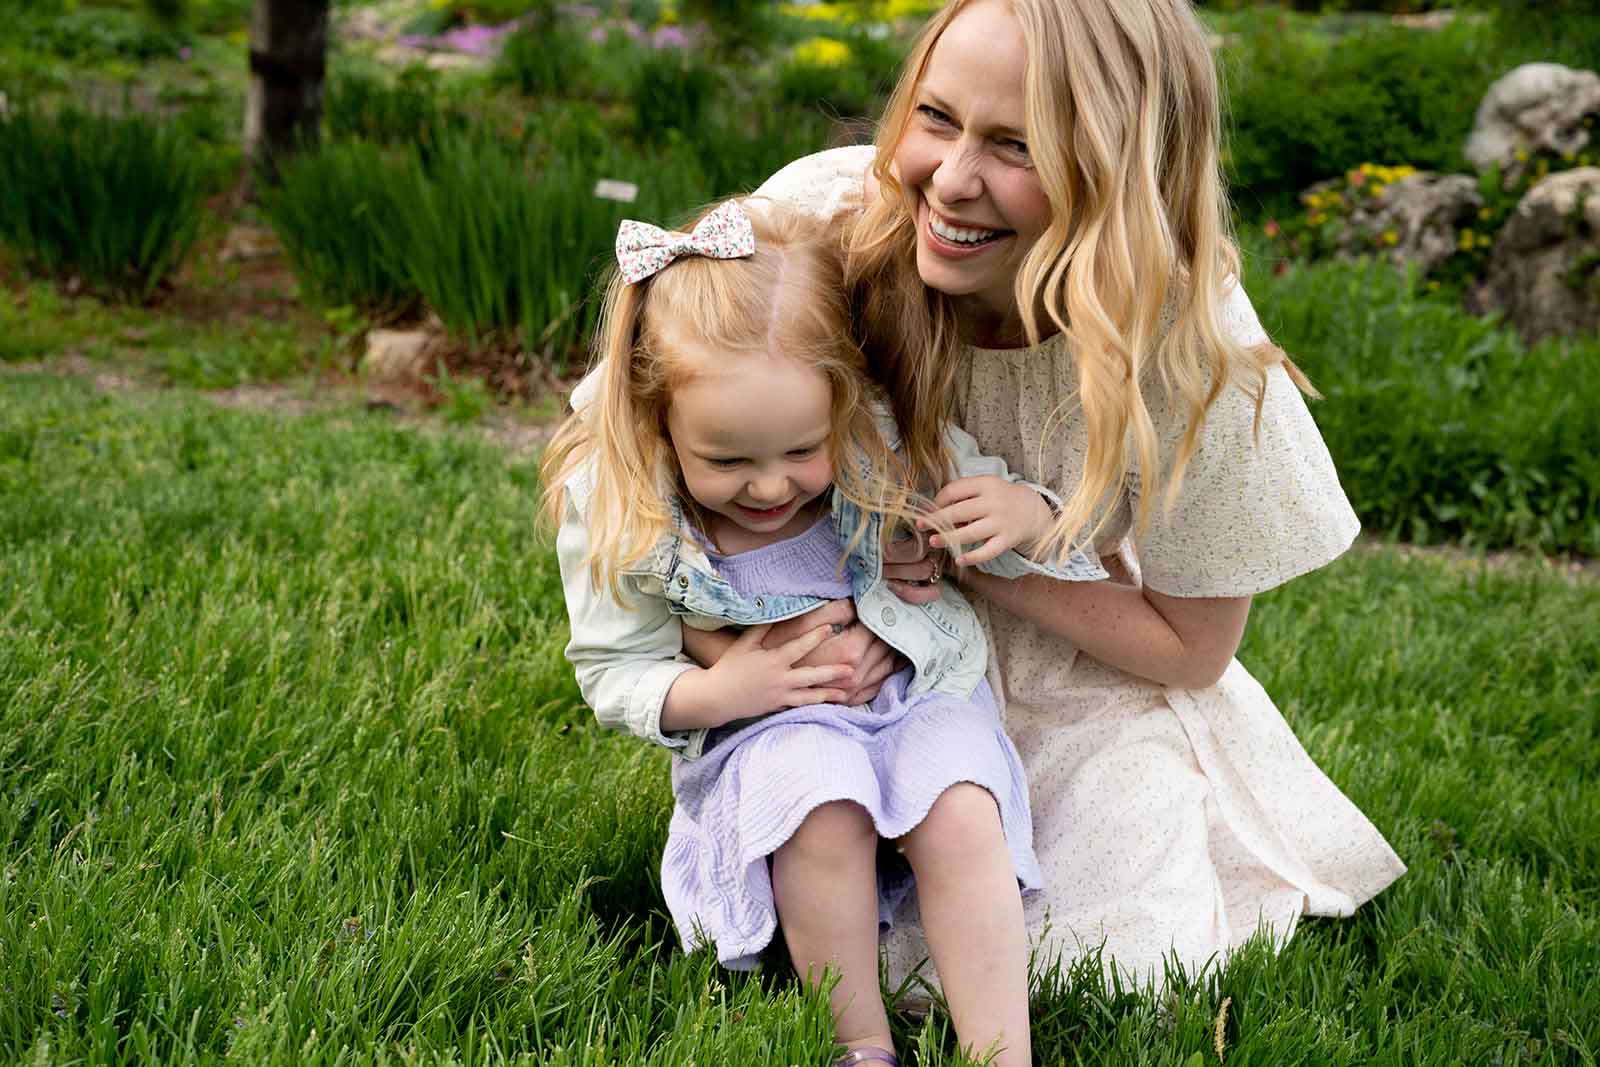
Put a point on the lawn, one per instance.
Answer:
(292, 771)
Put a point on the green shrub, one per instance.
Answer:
(671, 90)
(1444, 426)
(114, 199)
(1301, 108)
(550, 57)
(331, 208)
(363, 103)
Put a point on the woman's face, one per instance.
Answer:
(964, 158)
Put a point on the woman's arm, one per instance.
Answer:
(1185, 642)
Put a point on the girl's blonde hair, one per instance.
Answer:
(1123, 125)
(788, 298)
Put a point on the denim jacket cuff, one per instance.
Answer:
(647, 699)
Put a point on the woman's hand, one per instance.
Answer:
(913, 570)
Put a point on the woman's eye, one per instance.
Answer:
(1016, 147)
(933, 114)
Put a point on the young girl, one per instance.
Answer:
(725, 466)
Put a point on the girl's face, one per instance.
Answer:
(751, 436)
(964, 157)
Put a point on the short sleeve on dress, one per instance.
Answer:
(1253, 512)
(827, 183)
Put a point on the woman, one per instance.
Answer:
(1039, 246)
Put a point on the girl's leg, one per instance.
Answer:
(825, 884)
(972, 916)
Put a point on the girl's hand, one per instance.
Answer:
(851, 644)
(988, 515)
(750, 679)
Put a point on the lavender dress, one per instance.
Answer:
(757, 781)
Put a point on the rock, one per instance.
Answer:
(1538, 107)
(1414, 220)
(398, 357)
(1544, 269)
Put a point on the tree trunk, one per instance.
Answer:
(288, 57)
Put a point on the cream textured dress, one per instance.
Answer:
(1166, 821)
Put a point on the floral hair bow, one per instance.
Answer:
(643, 249)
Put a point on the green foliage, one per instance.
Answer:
(1302, 108)
(842, 76)
(1444, 426)
(295, 772)
(363, 103)
(331, 208)
(90, 35)
(671, 90)
(114, 199)
(499, 245)
(552, 57)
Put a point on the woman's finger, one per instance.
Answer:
(915, 590)
(905, 550)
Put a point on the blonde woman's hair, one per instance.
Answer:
(789, 298)
(1123, 126)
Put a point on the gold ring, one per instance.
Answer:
(938, 572)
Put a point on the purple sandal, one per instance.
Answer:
(867, 1054)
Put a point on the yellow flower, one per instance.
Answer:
(1391, 238)
(1314, 200)
(1316, 218)
(822, 52)
(1522, 155)
(1433, 286)
(1484, 213)
(1467, 237)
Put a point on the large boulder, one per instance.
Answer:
(1538, 107)
(1544, 269)
(1414, 220)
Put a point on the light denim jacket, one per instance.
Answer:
(627, 655)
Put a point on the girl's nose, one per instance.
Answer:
(770, 490)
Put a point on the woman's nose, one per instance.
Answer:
(957, 178)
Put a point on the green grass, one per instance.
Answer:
(40, 323)
(292, 769)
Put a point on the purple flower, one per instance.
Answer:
(598, 35)
(669, 37)
(185, 54)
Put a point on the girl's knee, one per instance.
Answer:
(831, 828)
(965, 817)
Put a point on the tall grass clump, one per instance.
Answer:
(499, 243)
(1444, 427)
(334, 209)
(113, 199)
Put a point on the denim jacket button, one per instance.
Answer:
(889, 616)
(683, 581)
(760, 603)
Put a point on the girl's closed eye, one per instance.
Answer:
(724, 463)
(802, 453)
(934, 115)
